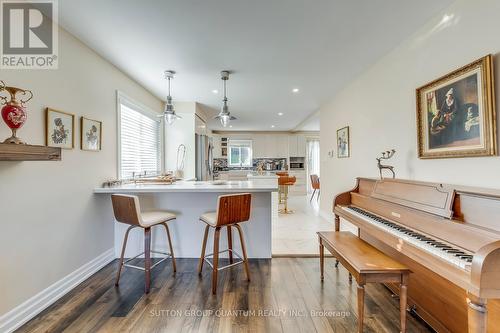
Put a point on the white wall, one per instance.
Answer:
(50, 221)
(379, 106)
(182, 131)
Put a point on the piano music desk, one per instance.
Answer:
(367, 264)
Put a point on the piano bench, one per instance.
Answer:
(367, 264)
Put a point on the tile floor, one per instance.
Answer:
(295, 234)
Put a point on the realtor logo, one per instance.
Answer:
(29, 34)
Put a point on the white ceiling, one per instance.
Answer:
(272, 46)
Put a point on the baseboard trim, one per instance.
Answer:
(22, 313)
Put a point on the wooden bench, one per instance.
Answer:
(367, 264)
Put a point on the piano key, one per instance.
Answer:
(435, 247)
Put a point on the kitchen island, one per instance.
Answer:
(191, 199)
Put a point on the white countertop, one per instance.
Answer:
(198, 186)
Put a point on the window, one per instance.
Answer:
(139, 140)
(240, 153)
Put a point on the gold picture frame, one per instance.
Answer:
(59, 129)
(343, 142)
(90, 134)
(456, 114)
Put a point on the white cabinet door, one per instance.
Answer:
(300, 184)
(301, 145)
(292, 145)
(258, 147)
(282, 146)
(272, 147)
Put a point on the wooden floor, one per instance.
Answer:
(285, 295)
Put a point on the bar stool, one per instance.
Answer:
(231, 210)
(127, 210)
(315, 186)
(285, 182)
(281, 188)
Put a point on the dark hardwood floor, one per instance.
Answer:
(285, 295)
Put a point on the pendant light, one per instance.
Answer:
(224, 115)
(169, 113)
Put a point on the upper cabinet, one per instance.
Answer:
(270, 146)
(267, 145)
(258, 146)
(297, 145)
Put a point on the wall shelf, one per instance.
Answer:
(13, 152)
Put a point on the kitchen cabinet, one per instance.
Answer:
(281, 146)
(300, 187)
(301, 145)
(270, 146)
(258, 147)
(297, 145)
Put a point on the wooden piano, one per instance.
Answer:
(448, 235)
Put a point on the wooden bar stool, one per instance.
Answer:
(231, 210)
(285, 182)
(127, 210)
(315, 186)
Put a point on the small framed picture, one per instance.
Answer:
(343, 145)
(59, 129)
(90, 134)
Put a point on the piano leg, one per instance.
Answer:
(337, 228)
(361, 306)
(477, 314)
(321, 260)
(403, 301)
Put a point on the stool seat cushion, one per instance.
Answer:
(149, 219)
(209, 218)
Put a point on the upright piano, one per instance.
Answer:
(448, 235)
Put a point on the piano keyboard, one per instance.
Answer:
(444, 251)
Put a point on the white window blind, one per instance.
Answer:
(240, 153)
(139, 142)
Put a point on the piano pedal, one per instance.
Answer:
(413, 310)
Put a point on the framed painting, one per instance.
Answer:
(59, 129)
(343, 144)
(90, 134)
(456, 114)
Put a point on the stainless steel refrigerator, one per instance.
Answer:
(204, 157)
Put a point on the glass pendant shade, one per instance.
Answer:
(224, 120)
(170, 118)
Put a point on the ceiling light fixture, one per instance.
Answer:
(169, 112)
(272, 126)
(224, 115)
(295, 90)
(280, 113)
(215, 91)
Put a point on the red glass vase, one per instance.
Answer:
(14, 112)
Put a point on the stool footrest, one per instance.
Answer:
(227, 266)
(167, 255)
